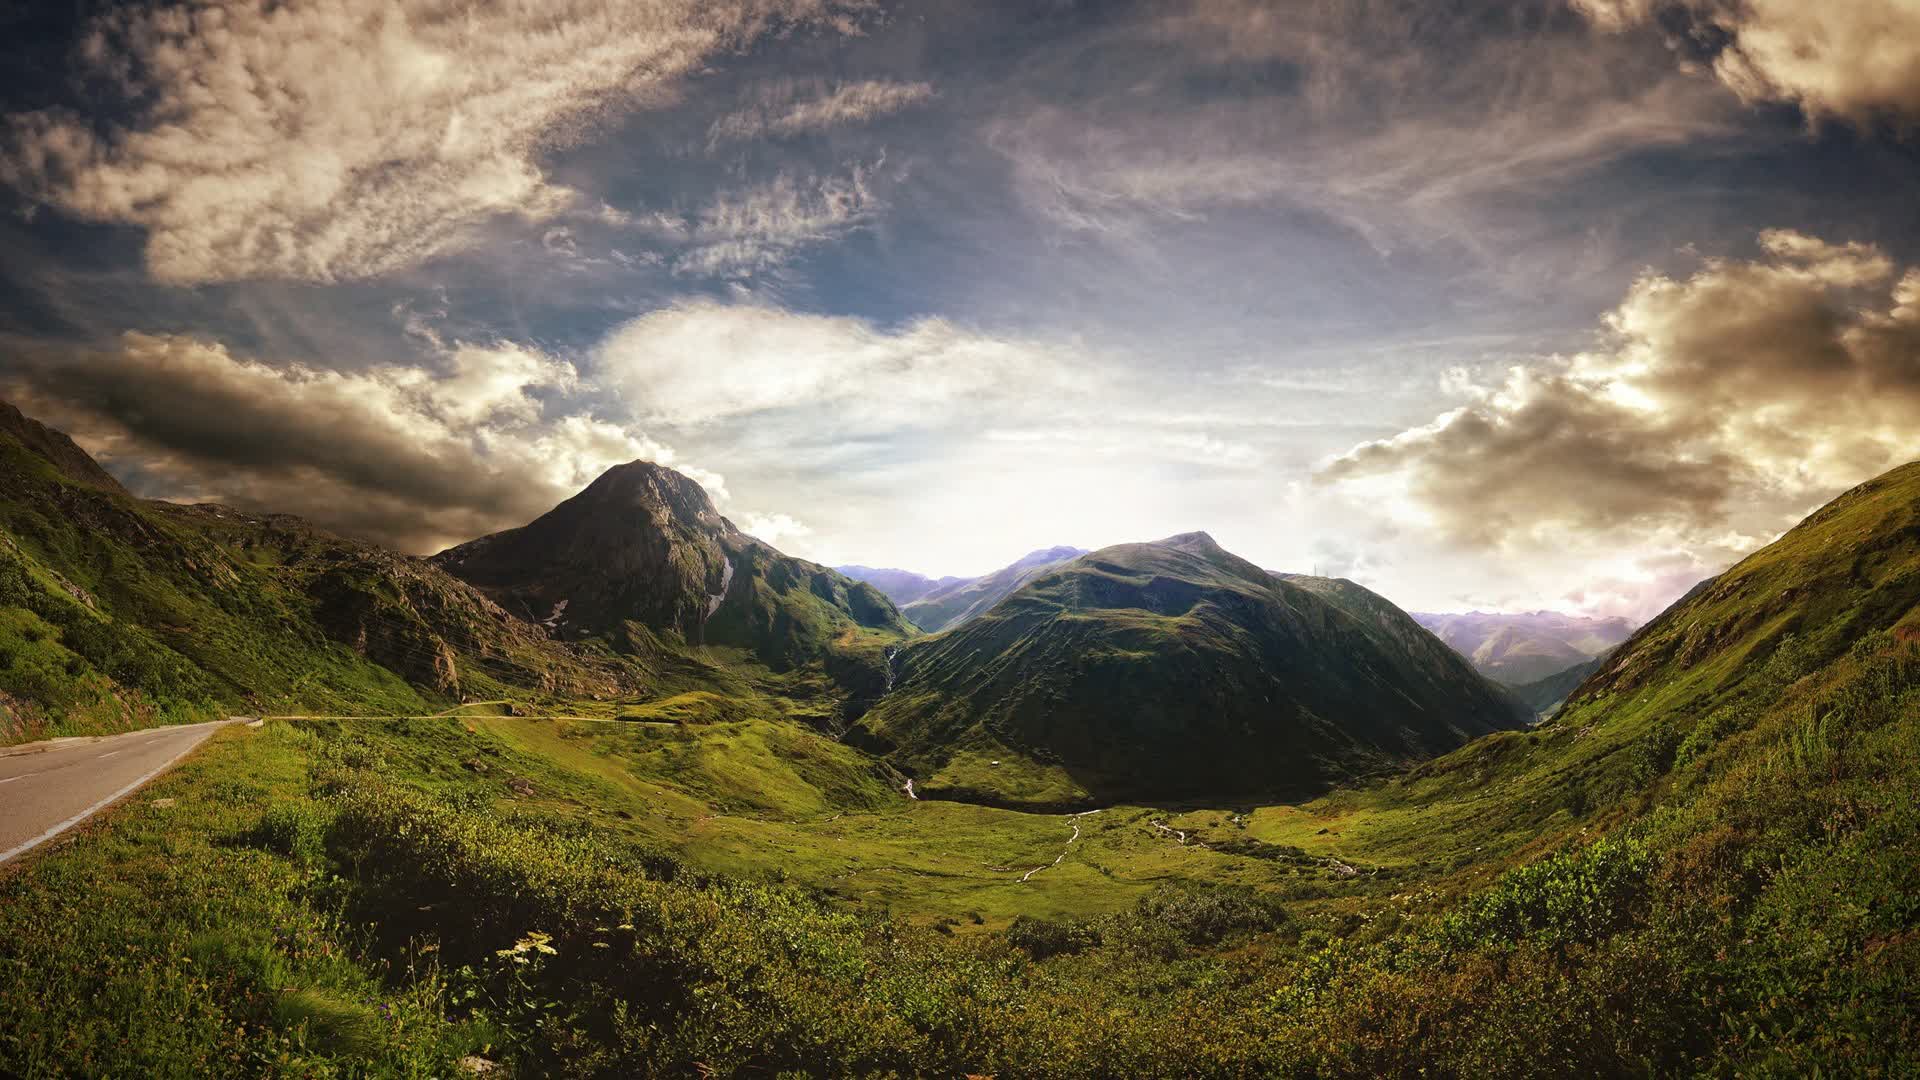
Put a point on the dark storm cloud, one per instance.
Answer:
(412, 456)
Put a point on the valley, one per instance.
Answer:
(629, 792)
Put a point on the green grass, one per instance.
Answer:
(1174, 671)
(819, 921)
(170, 939)
(1707, 863)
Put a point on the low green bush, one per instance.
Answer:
(1041, 938)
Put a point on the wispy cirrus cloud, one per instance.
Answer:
(790, 107)
(1377, 114)
(346, 140)
(754, 229)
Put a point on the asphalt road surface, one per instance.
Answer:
(44, 794)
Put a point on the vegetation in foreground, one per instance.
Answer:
(1752, 908)
(1708, 862)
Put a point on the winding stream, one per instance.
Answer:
(1075, 818)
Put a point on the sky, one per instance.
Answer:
(1559, 304)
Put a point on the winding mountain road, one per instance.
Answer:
(48, 788)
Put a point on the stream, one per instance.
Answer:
(1075, 818)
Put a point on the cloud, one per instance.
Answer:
(743, 233)
(344, 140)
(1718, 409)
(773, 528)
(416, 456)
(1376, 114)
(789, 107)
(700, 362)
(1855, 60)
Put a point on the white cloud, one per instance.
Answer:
(701, 362)
(1847, 59)
(773, 528)
(348, 139)
(787, 107)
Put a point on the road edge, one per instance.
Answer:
(55, 832)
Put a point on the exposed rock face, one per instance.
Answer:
(644, 544)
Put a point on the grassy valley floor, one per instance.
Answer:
(627, 898)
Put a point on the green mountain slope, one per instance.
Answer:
(949, 605)
(1545, 695)
(1711, 854)
(1171, 670)
(117, 612)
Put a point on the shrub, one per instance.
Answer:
(1212, 915)
(296, 829)
(1041, 938)
(1573, 897)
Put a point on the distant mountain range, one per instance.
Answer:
(1173, 669)
(900, 586)
(936, 605)
(1545, 696)
(1521, 648)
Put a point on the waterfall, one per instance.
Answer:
(714, 600)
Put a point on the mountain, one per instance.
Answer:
(642, 556)
(55, 449)
(1527, 646)
(1170, 670)
(1847, 573)
(952, 604)
(899, 586)
(117, 612)
(1545, 695)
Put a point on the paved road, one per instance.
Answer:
(44, 794)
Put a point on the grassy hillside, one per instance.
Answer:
(115, 613)
(1172, 670)
(1708, 863)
